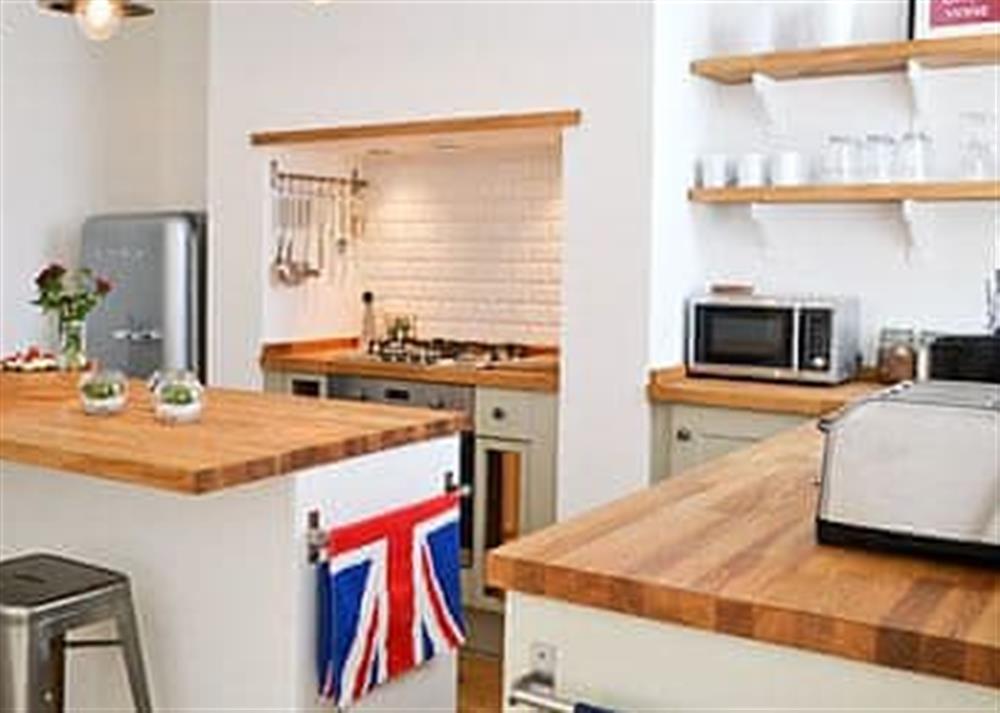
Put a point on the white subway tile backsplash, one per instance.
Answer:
(469, 242)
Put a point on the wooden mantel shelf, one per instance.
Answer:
(424, 127)
(853, 193)
(852, 59)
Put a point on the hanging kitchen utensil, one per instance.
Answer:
(284, 266)
(356, 207)
(294, 212)
(343, 220)
(313, 234)
(276, 234)
(323, 212)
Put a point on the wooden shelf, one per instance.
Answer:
(857, 193)
(425, 127)
(852, 59)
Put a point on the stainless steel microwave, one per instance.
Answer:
(806, 339)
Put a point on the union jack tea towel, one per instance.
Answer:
(389, 597)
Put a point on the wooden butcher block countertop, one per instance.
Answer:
(242, 436)
(672, 385)
(730, 547)
(539, 372)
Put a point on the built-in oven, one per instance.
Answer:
(426, 395)
(807, 339)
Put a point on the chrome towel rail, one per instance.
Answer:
(536, 689)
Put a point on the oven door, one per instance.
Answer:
(743, 340)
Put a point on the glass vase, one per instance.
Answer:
(72, 344)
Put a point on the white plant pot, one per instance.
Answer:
(104, 407)
(176, 413)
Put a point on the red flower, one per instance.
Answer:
(51, 273)
(102, 286)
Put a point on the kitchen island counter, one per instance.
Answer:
(730, 548)
(211, 521)
(242, 436)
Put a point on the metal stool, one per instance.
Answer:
(42, 598)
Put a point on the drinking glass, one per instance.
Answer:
(915, 160)
(879, 158)
(978, 145)
(840, 159)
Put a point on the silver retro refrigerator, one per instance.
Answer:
(154, 317)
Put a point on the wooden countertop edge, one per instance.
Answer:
(309, 358)
(673, 385)
(884, 645)
(209, 480)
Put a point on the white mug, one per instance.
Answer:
(714, 171)
(788, 168)
(751, 172)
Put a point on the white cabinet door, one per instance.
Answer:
(686, 436)
(626, 663)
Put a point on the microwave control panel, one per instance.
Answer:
(815, 337)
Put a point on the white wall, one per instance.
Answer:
(368, 62)
(469, 241)
(91, 127)
(932, 281)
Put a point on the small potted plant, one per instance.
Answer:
(177, 395)
(103, 392)
(71, 296)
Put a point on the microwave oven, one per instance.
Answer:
(804, 339)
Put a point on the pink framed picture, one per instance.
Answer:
(953, 18)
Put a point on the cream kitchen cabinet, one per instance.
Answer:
(686, 436)
(297, 384)
(515, 475)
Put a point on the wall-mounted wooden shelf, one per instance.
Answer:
(859, 193)
(425, 127)
(852, 59)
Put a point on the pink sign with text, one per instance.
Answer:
(945, 13)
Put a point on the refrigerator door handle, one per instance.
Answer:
(138, 335)
(147, 335)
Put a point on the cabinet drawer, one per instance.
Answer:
(732, 423)
(505, 414)
(297, 384)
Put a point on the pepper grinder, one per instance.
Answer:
(368, 335)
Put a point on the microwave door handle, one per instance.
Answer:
(796, 333)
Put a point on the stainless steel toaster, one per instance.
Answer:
(915, 468)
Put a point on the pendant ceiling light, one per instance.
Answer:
(98, 19)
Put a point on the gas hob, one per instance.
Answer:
(429, 352)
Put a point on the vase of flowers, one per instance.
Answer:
(70, 296)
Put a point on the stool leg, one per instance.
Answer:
(128, 634)
(26, 676)
(57, 650)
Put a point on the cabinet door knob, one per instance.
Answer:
(684, 434)
(499, 414)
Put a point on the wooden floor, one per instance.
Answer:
(479, 683)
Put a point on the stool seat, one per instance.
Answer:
(36, 580)
(43, 598)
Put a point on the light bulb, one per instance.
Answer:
(99, 19)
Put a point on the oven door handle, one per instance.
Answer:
(535, 690)
(451, 485)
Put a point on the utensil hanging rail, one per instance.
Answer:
(279, 177)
